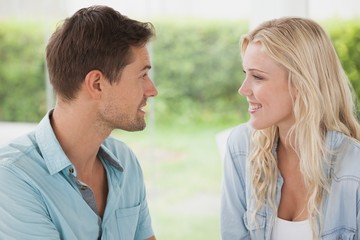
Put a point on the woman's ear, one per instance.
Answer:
(94, 83)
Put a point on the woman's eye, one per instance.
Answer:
(257, 77)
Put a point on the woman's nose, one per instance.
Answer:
(244, 89)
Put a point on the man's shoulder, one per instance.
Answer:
(20, 160)
(17, 149)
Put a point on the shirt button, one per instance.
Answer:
(71, 170)
(83, 187)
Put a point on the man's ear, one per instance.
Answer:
(94, 81)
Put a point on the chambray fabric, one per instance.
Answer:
(41, 198)
(341, 205)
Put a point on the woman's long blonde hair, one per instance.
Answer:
(324, 101)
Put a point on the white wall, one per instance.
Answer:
(264, 10)
(216, 9)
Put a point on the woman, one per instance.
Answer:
(293, 171)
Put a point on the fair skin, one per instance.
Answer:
(82, 124)
(270, 103)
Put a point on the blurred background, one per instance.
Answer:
(197, 70)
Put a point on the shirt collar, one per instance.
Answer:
(333, 141)
(110, 158)
(54, 156)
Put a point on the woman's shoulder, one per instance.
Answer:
(239, 137)
(345, 156)
(241, 131)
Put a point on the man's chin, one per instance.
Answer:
(134, 127)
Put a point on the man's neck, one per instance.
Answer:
(78, 136)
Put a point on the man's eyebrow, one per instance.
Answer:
(146, 67)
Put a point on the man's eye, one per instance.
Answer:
(144, 76)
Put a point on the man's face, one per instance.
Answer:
(124, 102)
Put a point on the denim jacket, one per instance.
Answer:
(340, 208)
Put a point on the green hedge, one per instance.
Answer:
(22, 95)
(346, 39)
(197, 69)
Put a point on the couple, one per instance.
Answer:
(289, 173)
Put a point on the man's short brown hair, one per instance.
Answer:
(97, 37)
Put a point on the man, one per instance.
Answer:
(68, 179)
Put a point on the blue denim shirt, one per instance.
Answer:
(41, 198)
(341, 205)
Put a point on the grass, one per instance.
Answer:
(182, 169)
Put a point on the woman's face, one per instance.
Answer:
(266, 89)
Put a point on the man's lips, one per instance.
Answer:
(143, 107)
